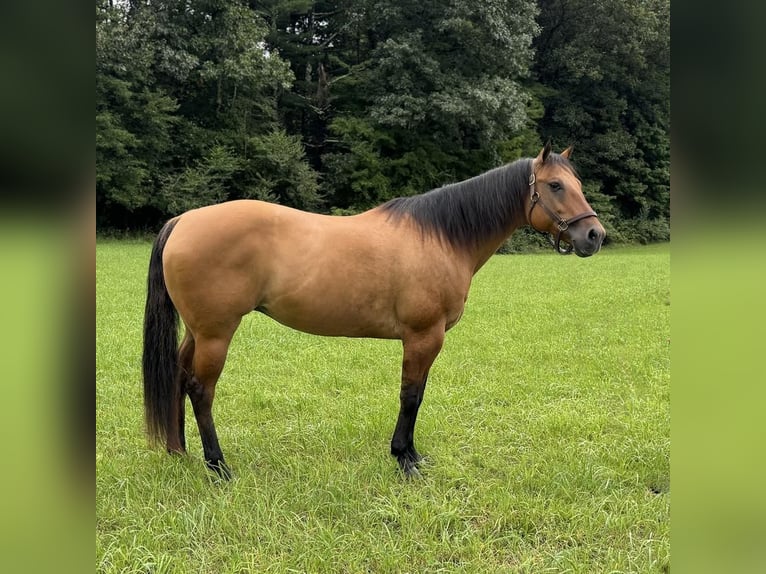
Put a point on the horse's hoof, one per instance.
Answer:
(412, 473)
(220, 468)
(415, 457)
(409, 468)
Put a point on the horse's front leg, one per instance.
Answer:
(420, 350)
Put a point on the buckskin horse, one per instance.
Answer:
(399, 271)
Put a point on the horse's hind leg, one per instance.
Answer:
(208, 361)
(420, 350)
(176, 431)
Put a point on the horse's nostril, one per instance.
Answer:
(593, 234)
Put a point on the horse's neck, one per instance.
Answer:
(487, 247)
(481, 253)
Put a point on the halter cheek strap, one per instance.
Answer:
(561, 223)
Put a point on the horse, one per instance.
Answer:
(401, 270)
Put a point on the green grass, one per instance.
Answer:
(546, 424)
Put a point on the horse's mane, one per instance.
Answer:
(471, 211)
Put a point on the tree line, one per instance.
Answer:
(337, 106)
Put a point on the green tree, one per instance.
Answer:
(134, 119)
(395, 97)
(208, 100)
(186, 101)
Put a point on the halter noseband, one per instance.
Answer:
(561, 223)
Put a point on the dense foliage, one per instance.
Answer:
(336, 106)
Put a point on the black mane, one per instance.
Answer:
(469, 212)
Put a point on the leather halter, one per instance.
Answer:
(561, 223)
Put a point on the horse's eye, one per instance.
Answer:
(555, 185)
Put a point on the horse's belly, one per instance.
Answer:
(337, 323)
(331, 312)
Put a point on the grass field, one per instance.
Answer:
(546, 425)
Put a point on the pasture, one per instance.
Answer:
(545, 424)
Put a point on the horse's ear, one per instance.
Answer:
(567, 152)
(544, 153)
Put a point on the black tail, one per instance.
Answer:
(160, 360)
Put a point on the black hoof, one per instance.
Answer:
(409, 468)
(220, 468)
(414, 456)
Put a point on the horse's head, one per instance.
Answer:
(563, 211)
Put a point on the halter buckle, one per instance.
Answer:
(532, 179)
(563, 225)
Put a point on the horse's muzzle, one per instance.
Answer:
(587, 241)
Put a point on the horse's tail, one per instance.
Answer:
(160, 358)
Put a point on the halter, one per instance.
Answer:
(561, 223)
